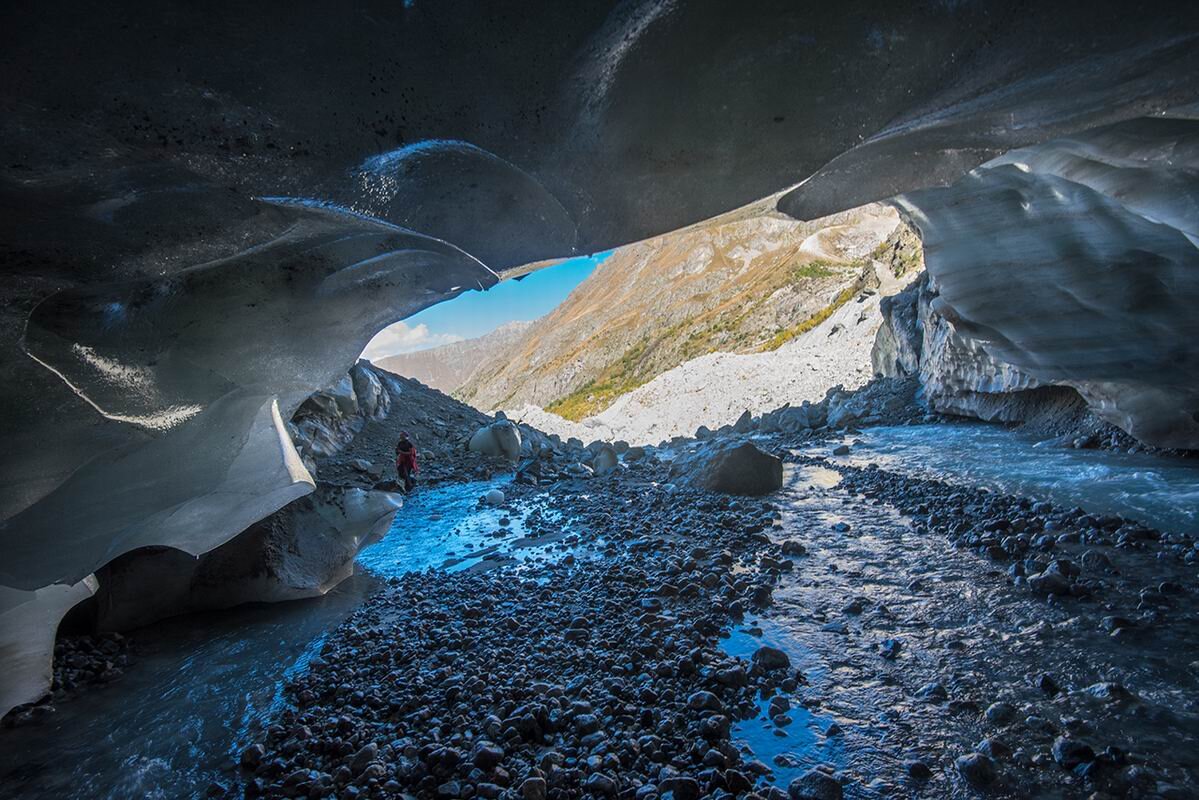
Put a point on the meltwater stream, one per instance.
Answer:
(203, 685)
(1160, 491)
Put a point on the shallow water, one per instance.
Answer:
(172, 723)
(447, 528)
(803, 744)
(203, 684)
(1158, 490)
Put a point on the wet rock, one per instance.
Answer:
(599, 784)
(1069, 753)
(815, 784)
(704, 701)
(487, 756)
(1048, 685)
(768, 658)
(918, 770)
(932, 693)
(252, 756)
(533, 789)
(889, 648)
(681, 787)
(1000, 713)
(841, 450)
(1050, 581)
(977, 770)
(994, 748)
(494, 497)
(363, 759)
(1109, 692)
(793, 548)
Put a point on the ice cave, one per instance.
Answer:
(623, 399)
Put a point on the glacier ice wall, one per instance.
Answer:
(1075, 262)
(203, 368)
(153, 410)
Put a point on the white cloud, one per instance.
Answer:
(400, 338)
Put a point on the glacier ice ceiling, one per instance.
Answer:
(207, 210)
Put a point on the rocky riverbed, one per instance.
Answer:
(859, 633)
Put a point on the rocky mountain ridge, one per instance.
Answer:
(449, 366)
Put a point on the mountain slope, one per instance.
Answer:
(447, 367)
(714, 389)
(746, 282)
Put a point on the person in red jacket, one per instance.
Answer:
(406, 467)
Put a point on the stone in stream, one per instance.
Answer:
(1049, 581)
(977, 770)
(841, 450)
(494, 497)
(932, 693)
(815, 784)
(769, 658)
(252, 756)
(1069, 753)
(994, 748)
(889, 648)
(1000, 713)
(1108, 692)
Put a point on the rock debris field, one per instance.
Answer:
(857, 634)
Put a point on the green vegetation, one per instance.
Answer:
(903, 254)
(785, 335)
(813, 269)
(622, 376)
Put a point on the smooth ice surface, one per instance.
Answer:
(239, 344)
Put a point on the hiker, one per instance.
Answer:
(406, 468)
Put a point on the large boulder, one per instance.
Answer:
(500, 439)
(605, 459)
(732, 469)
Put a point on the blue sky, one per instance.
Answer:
(475, 313)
